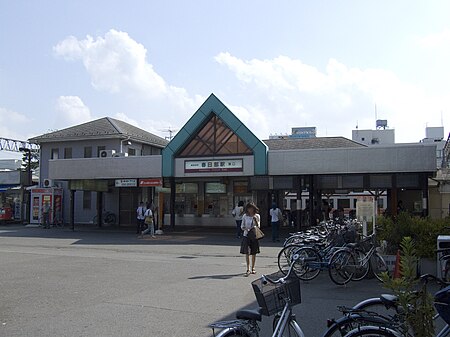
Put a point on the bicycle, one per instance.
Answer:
(109, 218)
(274, 297)
(356, 259)
(374, 324)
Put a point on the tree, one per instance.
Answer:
(34, 161)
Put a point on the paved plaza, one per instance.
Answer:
(110, 283)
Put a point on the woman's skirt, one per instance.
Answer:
(249, 246)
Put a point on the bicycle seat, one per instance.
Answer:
(389, 300)
(352, 245)
(250, 314)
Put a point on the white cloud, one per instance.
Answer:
(284, 92)
(118, 64)
(10, 121)
(71, 110)
(436, 40)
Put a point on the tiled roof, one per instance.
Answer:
(102, 128)
(311, 143)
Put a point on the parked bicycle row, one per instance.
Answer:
(380, 316)
(339, 249)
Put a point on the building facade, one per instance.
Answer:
(99, 164)
(215, 161)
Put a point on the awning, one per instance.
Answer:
(4, 188)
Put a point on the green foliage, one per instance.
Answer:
(419, 314)
(424, 231)
(34, 163)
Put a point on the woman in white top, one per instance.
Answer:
(249, 245)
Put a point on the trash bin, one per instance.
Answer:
(443, 242)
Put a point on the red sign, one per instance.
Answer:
(150, 182)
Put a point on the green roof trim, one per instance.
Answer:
(196, 122)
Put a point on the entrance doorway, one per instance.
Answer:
(129, 199)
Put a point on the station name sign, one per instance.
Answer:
(216, 165)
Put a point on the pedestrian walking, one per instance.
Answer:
(148, 220)
(46, 214)
(276, 217)
(238, 212)
(250, 245)
(140, 211)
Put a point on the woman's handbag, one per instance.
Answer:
(259, 234)
(148, 220)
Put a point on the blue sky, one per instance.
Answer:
(275, 64)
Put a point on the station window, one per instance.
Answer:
(343, 203)
(131, 152)
(55, 154)
(67, 153)
(88, 152)
(186, 198)
(216, 200)
(240, 187)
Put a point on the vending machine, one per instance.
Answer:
(46, 197)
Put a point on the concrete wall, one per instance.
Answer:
(386, 159)
(105, 168)
(10, 177)
(248, 170)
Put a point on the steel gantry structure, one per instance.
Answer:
(16, 145)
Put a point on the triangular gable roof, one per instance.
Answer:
(197, 121)
(105, 127)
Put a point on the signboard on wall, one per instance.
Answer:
(364, 208)
(216, 165)
(215, 188)
(150, 182)
(126, 183)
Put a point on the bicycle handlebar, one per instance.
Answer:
(295, 257)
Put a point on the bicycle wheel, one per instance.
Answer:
(378, 266)
(308, 263)
(110, 219)
(372, 331)
(362, 268)
(284, 257)
(341, 267)
(291, 330)
(342, 326)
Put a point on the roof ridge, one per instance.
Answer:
(115, 126)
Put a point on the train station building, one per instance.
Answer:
(214, 161)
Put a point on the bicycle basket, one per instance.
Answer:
(442, 303)
(272, 297)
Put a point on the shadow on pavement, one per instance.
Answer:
(216, 277)
(87, 235)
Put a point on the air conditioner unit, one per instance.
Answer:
(47, 183)
(120, 154)
(106, 153)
